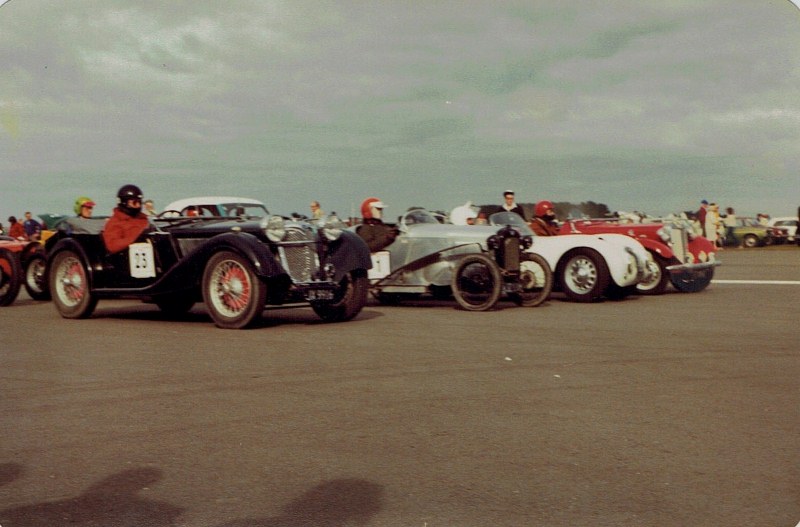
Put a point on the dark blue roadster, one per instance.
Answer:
(236, 266)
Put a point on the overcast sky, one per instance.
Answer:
(639, 104)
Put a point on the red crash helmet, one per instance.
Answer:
(543, 207)
(368, 205)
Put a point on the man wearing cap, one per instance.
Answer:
(509, 205)
(701, 215)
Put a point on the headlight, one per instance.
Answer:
(274, 228)
(333, 228)
(702, 256)
(527, 242)
(663, 233)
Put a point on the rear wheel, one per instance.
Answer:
(35, 278)
(659, 277)
(69, 286)
(477, 283)
(232, 292)
(536, 279)
(10, 277)
(583, 275)
(348, 300)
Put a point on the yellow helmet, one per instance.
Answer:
(82, 201)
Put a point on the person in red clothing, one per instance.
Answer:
(544, 221)
(127, 221)
(15, 229)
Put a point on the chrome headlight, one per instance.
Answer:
(663, 233)
(527, 242)
(333, 228)
(274, 228)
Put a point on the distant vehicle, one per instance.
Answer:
(235, 265)
(22, 263)
(679, 255)
(748, 232)
(218, 206)
(788, 224)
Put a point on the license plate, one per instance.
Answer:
(320, 294)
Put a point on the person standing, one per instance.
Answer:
(149, 208)
(316, 212)
(127, 221)
(509, 205)
(701, 216)
(33, 229)
(712, 223)
(729, 222)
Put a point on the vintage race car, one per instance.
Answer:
(475, 266)
(423, 257)
(679, 255)
(236, 266)
(21, 263)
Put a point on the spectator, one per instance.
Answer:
(127, 221)
(509, 205)
(33, 229)
(544, 221)
(316, 212)
(372, 230)
(730, 223)
(712, 223)
(2, 230)
(15, 229)
(701, 216)
(149, 208)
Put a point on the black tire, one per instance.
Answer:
(536, 279)
(583, 275)
(658, 283)
(441, 292)
(477, 283)
(692, 281)
(349, 300)
(36, 278)
(232, 292)
(10, 277)
(69, 285)
(750, 241)
(175, 304)
(388, 299)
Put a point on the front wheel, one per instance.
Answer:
(692, 281)
(348, 301)
(232, 292)
(750, 241)
(35, 279)
(583, 275)
(477, 283)
(536, 279)
(69, 285)
(659, 277)
(9, 277)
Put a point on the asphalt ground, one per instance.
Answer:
(681, 410)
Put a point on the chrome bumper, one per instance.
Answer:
(691, 267)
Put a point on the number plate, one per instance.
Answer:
(320, 294)
(141, 259)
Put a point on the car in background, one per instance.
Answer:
(218, 206)
(236, 266)
(680, 256)
(788, 224)
(749, 233)
(22, 263)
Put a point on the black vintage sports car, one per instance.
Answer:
(236, 266)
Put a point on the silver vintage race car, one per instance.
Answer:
(427, 257)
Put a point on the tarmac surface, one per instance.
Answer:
(682, 409)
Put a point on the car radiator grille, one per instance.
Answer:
(680, 244)
(300, 261)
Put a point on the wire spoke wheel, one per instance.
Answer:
(232, 292)
(536, 279)
(69, 284)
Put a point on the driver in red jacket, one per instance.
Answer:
(544, 221)
(127, 221)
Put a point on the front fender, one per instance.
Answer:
(254, 250)
(348, 253)
(658, 248)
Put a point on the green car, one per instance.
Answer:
(750, 233)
